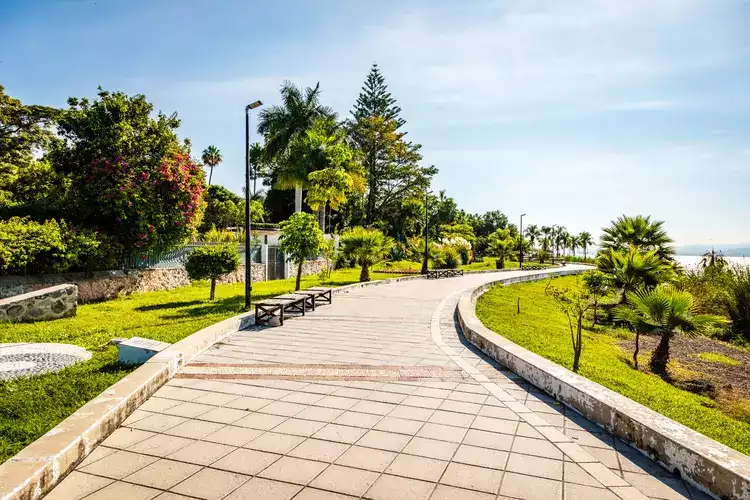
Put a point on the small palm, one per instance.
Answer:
(211, 157)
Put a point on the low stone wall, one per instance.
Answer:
(707, 464)
(42, 305)
(311, 267)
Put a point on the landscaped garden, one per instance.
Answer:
(674, 340)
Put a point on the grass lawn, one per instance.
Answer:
(489, 263)
(30, 407)
(543, 329)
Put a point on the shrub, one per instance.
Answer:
(301, 238)
(452, 258)
(211, 262)
(465, 254)
(368, 246)
(48, 247)
(738, 303)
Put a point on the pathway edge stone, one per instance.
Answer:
(707, 464)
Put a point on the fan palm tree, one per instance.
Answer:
(367, 246)
(560, 239)
(211, 157)
(713, 258)
(638, 231)
(585, 239)
(281, 124)
(663, 311)
(532, 233)
(500, 244)
(632, 270)
(573, 243)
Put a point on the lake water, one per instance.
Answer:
(694, 260)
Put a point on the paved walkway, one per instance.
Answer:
(376, 396)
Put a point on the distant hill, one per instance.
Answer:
(730, 250)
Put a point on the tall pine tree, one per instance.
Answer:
(375, 100)
(394, 175)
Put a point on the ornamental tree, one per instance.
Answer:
(211, 262)
(367, 246)
(301, 238)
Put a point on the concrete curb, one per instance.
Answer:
(709, 465)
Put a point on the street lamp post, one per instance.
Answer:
(520, 243)
(426, 232)
(248, 258)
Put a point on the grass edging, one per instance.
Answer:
(41, 465)
(709, 465)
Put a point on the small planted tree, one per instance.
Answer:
(367, 246)
(500, 244)
(300, 239)
(574, 302)
(598, 285)
(211, 262)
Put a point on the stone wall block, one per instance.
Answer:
(46, 304)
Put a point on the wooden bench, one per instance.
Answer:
(277, 307)
(444, 273)
(322, 295)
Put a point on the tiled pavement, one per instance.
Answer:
(376, 396)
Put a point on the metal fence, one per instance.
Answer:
(159, 259)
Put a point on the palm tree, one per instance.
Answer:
(560, 238)
(500, 244)
(258, 164)
(638, 231)
(572, 243)
(662, 311)
(281, 124)
(211, 157)
(632, 270)
(367, 246)
(713, 258)
(585, 239)
(543, 254)
(532, 233)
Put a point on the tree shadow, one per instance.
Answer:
(168, 305)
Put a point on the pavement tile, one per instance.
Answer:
(386, 397)
(244, 461)
(158, 405)
(293, 470)
(340, 433)
(125, 437)
(443, 492)
(160, 445)
(442, 432)
(536, 447)
(345, 480)
(264, 489)
(422, 402)
(606, 456)
(315, 494)
(380, 440)
(399, 488)
(350, 392)
(451, 418)
(215, 398)
(431, 392)
(283, 408)
(524, 488)
(201, 453)
(319, 413)
(224, 415)
(119, 490)
(77, 485)
(315, 449)
(657, 487)
(156, 422)
(163, 474)
(580, 492)
(211, 484)
(373, 407)
(274, 443)
(260, 421)
(188, 410)
(471, 477)
(603, 474)
(412, 413)
(426, 469)
(630, 493)
(337, 402)
(487, 439)
(299, 427)
(483, 457)
(535, 466)
(494, 425)
(525, 430)
(574, 473)
(366, 458)
(248, 403)
(575, 452)
(304, 398)
(119, 464)
(467, 397)
(354, 419)
(431, 448)
(194, 429)
(232, 435)
(398, 425)
(98, 453)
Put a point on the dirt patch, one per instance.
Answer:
(692, 373)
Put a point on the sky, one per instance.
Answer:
(571, 112)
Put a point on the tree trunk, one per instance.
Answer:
(501, 260)
(322, 218)
(579, 344)
(596, 302)
(365, 274)
(660, 357)
(299, 275)
(637, 349)
(213, 288)
(210, 174)
(584, 253)
(297, 198)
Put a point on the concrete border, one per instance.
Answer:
(709, 465)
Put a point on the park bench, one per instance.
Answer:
(444, 273)
(297, 302)
(322, 295)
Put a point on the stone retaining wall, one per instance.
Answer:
(707, 464)
(41, 305)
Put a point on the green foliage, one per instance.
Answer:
(500, 245)
(211, 157)
(451, 257)
(30, 246)
(585, 240)
(300, 239)
(633, 269)
(225, 209)
(366, 246)
(738, 302)
(639, 232)
(211, 262)
(543, 329)
(573, 300)
(375, 100)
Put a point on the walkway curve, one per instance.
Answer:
(376, 396)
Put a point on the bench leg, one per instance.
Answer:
(281, 316)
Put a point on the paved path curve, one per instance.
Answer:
(376, 396)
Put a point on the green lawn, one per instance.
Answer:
(543, 329)
(489, 263)
(32, 406)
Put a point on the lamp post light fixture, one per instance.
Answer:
(520, 243)
(426, 232)
(248, 232)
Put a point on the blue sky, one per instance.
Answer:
(572, 112)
